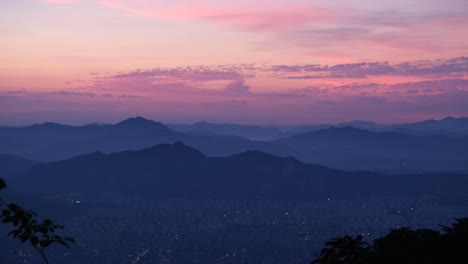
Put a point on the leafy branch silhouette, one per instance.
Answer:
(40, 235)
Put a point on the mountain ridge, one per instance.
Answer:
(338, 147)
(177, 170)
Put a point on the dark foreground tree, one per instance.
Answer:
(344, 250)
(39, 234)
(403, 246)
(408, 246)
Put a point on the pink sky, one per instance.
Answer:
(263, 62)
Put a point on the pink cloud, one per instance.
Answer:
(442, 68)
(237, 87)
(258, 108)
(392, 80)
(236, 103)
(194, 74)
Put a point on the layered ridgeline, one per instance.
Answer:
(337, 147)
(355, 148)
(448, 126)
(51, 141)
(171, 201)
(246, 131)
(176, 170)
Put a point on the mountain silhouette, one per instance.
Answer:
(349, 147)
(445, 125)
(246, 131)
(359, 124)
(50, 141)
(140, 123)
(448, 126)
(177, 170)
(337, 147)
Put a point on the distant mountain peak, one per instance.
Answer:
(177, 147)
(359, 124)
(201, 123)
(179, 143)
(454, 119)
(49, 125)
(140, 122)
(135, 120)
(181, 146)
(343, 129)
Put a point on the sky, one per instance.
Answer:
(232, 61)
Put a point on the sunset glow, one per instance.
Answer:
(264, 62)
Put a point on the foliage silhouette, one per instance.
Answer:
(344, 250)
(27, 228)
(2, 184)
(402, 246)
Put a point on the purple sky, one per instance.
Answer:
(262, 62)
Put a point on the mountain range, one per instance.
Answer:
(448, 126)
(246, 131)
(177, 170)
(349, 147)
(51, 141)
(346, 147)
